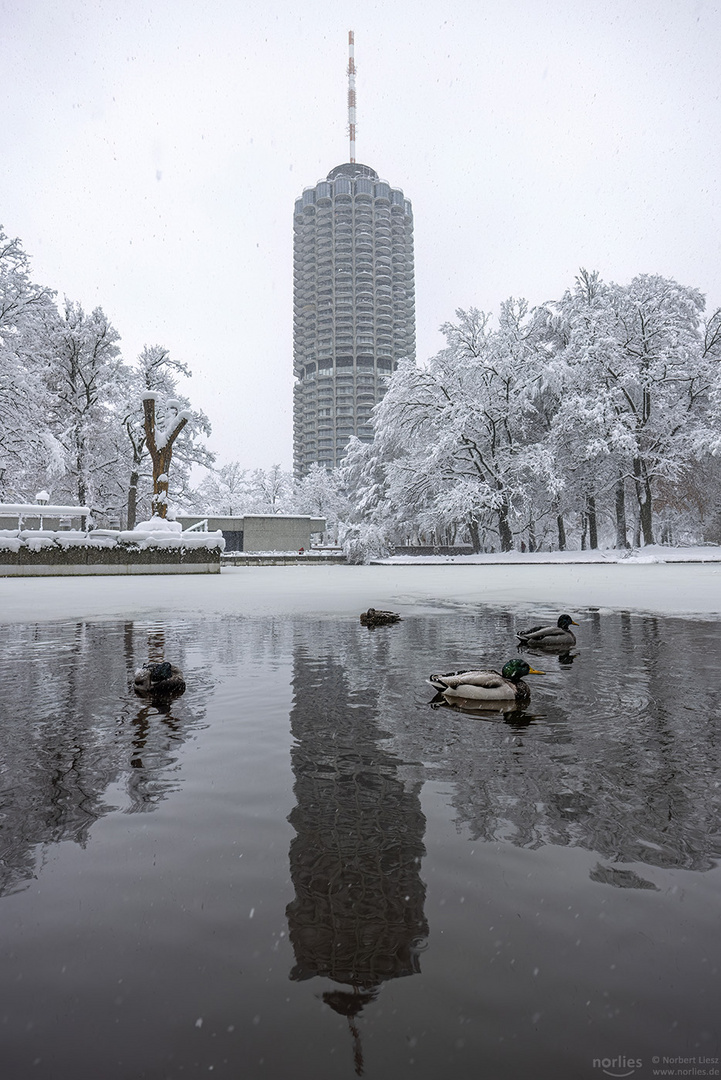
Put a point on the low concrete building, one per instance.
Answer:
(261, 532)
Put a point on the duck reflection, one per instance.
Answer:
(358, 913)
(155, 733)
(563, 655)
(504, 713)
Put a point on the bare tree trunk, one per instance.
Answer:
(80, 471)
(132, 499)
(645, 502)
(82, 490)
(138, 445)
(592, 522)
(561, 533)
(621, 526)
(474, 535)
(504, 529)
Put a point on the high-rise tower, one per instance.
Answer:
(353, 300)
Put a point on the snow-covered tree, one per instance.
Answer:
(30, 455)
(369, 525)
(224, 491)
(84, 380)
(362, 476)
(270, 491)
(234, 490)
(543, 426)
(460, 425)
(636, 387)
(319, 494)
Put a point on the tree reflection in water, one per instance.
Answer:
(358, 913)
(72, 728)
(618, 756)
(621, 755)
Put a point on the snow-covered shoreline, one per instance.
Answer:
(671, 588)
(656, 553)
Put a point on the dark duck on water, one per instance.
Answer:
(161, 680)
(550, 637)
(371, 617)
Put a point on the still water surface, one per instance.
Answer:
(301, 868)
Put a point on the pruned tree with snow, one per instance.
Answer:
(160, 435)
(155, 371)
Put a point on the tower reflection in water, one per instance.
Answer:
(357, 917)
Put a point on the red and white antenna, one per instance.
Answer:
(351, 95)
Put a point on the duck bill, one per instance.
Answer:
(534, 671)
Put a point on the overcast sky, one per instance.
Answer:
(153, 151)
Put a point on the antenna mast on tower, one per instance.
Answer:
(351, 95)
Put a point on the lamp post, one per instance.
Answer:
(43, 498)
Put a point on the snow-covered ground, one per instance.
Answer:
(679, 585)
(655, 553)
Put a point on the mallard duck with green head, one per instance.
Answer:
(491, 686)
(544, 637)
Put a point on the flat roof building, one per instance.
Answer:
(259, 532)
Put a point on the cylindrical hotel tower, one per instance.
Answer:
(354, 307)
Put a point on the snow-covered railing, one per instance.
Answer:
(200, 526)
(156, 533)
(160, 532)
(151, 548)
(41, 510)
(38, 509)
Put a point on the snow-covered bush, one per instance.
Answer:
(366, 541)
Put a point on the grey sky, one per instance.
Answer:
(152, 154)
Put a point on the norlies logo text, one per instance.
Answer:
(617, 1066)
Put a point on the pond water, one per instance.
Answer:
(301, 868)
